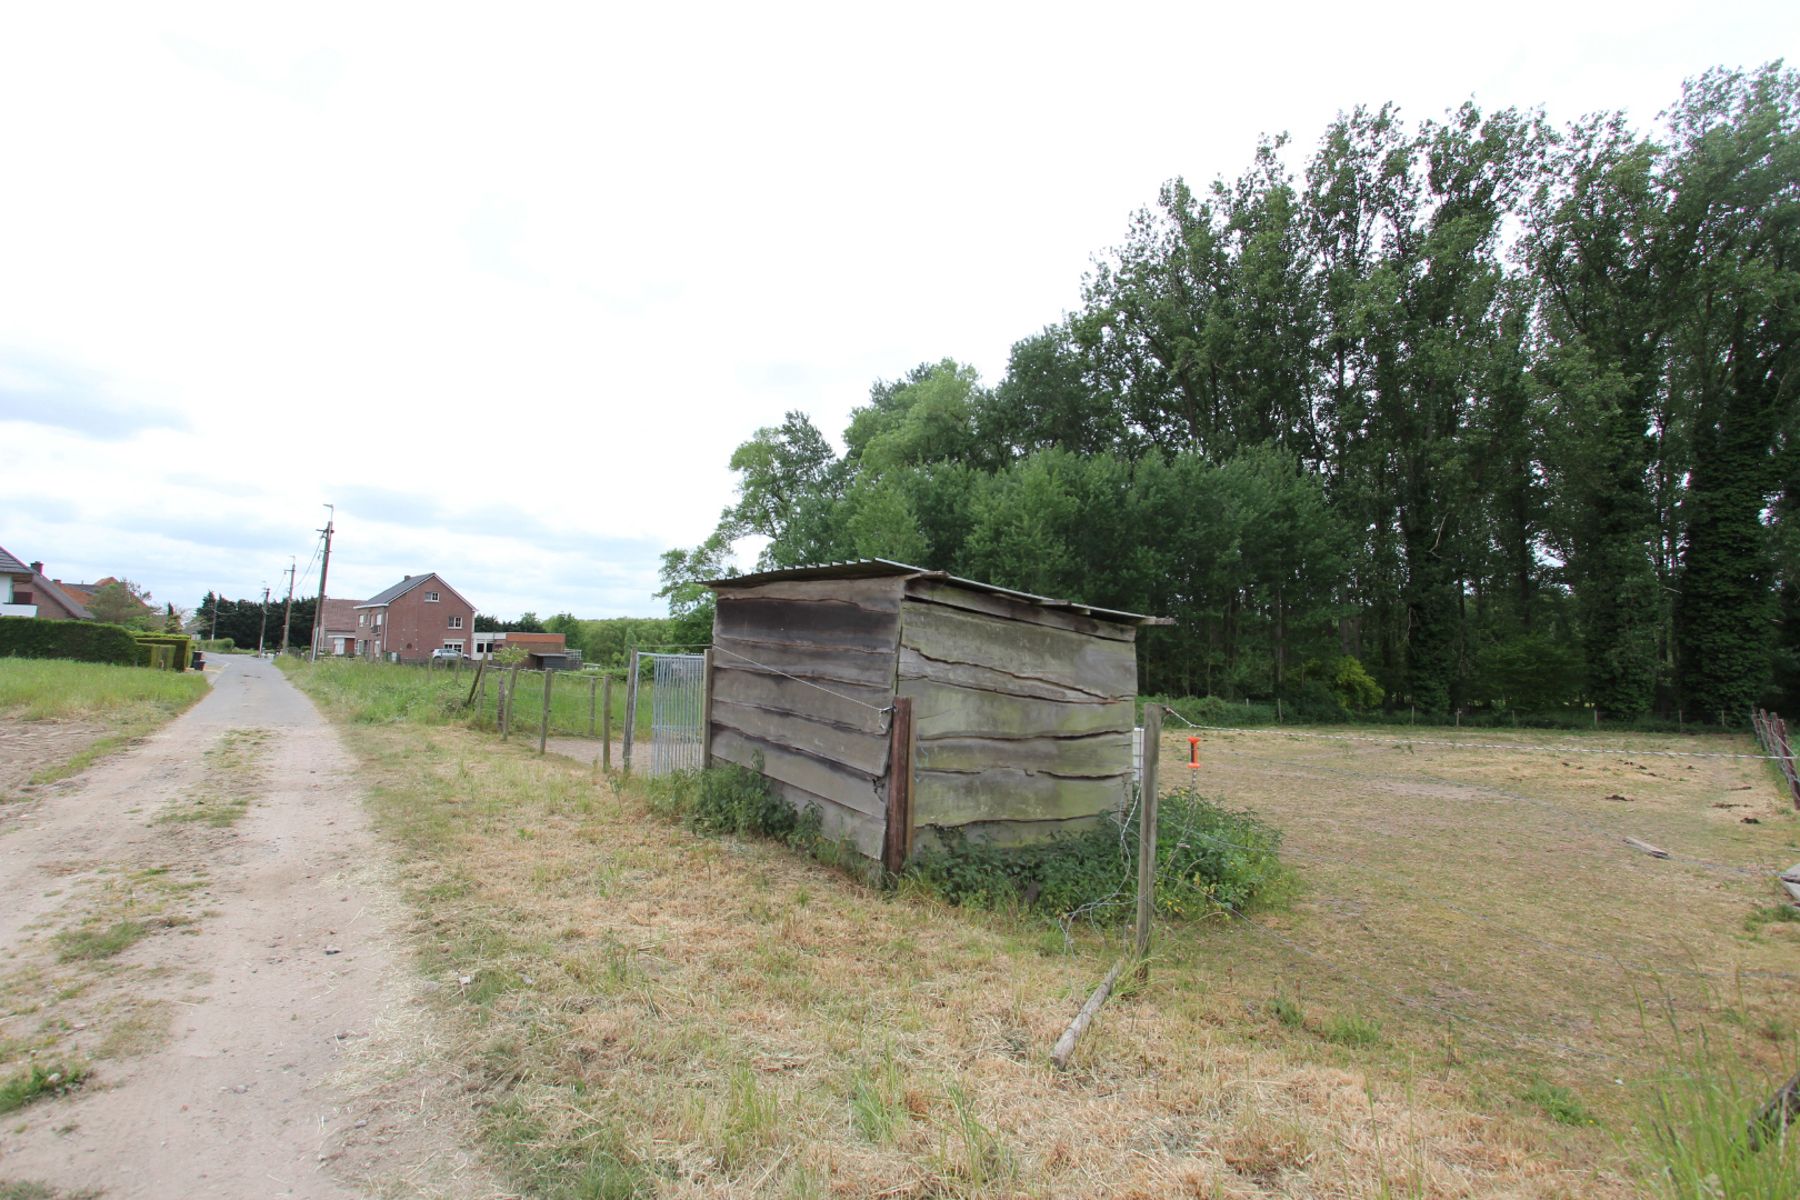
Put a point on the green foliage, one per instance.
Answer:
(83, 641)
(180, 647)
(38, 1081)
(1352, 1029)
(122, 602)
(735, 800)
(1287, 1012)
(1354, 687)
(90, 942)
(1208, 859)
(50, 689)
(1695, 1125)
(1559, 1103)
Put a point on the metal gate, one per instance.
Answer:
(677, 710)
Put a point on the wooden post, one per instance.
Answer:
(1065, 1045)
(631, 690)
(606, 721)
(896, 843)
(544, 718)
(706, 697)
(512, 698)
(593, 687)
(1146, 893)
(475, 683)
(500, 710)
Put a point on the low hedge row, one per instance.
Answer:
(183, 646)
(84, 641)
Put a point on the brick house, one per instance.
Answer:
(83, 593)
(408, 621)
(339, 634)
(24, 592)
(541, 649)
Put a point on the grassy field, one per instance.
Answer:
(1480, 991)
(104, 707)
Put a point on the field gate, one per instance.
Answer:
(677, 711)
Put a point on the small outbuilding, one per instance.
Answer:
(1021, 706)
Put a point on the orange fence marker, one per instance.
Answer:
(1193, 752)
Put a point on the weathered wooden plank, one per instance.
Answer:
(836, 823)
(810, 622)
(879, 594)
(937, 591)
(845, 785)
(1009, 833)
(947, 711)
(949, 799)
(854, 706)
(823, 663)
(1095, 666)
(914, 665)
(1095, 755)
(866, 751)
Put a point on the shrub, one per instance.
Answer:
(84, 641)
(1356, 689)
(732, 799)
(1208, 859)
(180, 643)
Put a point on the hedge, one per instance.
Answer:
(182, 643)
(84, 641)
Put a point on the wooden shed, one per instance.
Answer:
(1021, 706)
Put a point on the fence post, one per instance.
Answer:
(593, 687)
(544, 718)
(1146, 881)
(500, 709)
(631, 691)
(606, 721)
(706, 699)
(896, 842)
(512, 698)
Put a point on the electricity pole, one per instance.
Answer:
(264, 627)
(324, 566)
(288, 615)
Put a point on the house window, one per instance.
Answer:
(362, 619)
(431, 597)
(456, 622)
(454, 644)
(378, 620)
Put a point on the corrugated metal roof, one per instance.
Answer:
(875, 568)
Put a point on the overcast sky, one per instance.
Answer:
(506, 284)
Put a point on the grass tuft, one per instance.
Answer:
(93, 942)
(40, 1081)
(1352, 1029)
(1560, 1104)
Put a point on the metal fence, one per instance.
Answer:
(677, 710)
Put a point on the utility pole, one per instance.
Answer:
(324, 566)
(264, 627)
(287, 616)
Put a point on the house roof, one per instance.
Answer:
(381, 599)
(873, 568)
(74, 604)
(10, 565)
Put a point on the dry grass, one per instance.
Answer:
(234, 771)
(644, 1011)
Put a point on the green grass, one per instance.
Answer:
(1696, 1137)
(38, 1081)
(128, 702)
(1560, 1104)
(93, 942)
(1287, 1012)
(1352, 1029)
(1773, 914)
(231, 770)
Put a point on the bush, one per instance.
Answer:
(1208, 859)
(83, 641)
(735, 800)
(1356, 689)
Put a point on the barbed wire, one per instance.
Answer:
(1515, 746)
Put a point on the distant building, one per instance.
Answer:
(541, 649)
(408, 621)
(338, 631)
(25, 592)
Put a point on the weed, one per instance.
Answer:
(1287, 1012)
(878, 1101)
(39, 1081)
(1558, 1103)
(1352, 1029)
(91, 942)
(749, 1120)
(1697, 1138)
(970, 1152)
(1208, 859)
(1773, 914)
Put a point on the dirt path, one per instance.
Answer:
(257, 1034)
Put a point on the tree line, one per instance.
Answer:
(1503, 412)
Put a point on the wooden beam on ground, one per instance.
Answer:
(1647, 848)
(1065, 1045)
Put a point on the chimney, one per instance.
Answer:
(37, 568)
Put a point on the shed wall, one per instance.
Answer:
(801, 671)
(1024, 714)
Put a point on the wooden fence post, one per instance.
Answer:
(1146, 881)
(512, 698)
(896, 842)
(606, 721)
(500, 709)
(544, 717)
(593, 687)
(706, 699)
(631, 691)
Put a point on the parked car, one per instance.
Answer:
(445, 654)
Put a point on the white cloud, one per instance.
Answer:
(560, 260)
